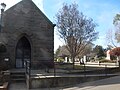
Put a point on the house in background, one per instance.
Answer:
(28, 35)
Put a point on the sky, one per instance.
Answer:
(101, 11)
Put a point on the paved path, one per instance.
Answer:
(17, 86)
(112, 83)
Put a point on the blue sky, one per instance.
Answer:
(101, 11)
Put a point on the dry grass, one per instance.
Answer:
(77, 67)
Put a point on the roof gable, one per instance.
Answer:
(25, 6)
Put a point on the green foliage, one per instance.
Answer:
(106, 61)
(68, 66)
(101, 58)
(57, 52)
(99, 51)
(116, 22)
(60, 59)
(112, 57)
(87, 50)
(116, 19)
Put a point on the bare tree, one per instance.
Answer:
(86, 51)
(110, 38)
(75, 29)
(113, 36)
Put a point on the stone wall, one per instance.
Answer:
(49, 82)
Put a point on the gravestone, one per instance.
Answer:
(108, 55)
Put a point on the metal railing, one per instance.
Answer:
(28, 73)
(27, 65)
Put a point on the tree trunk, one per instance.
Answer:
(73, 59)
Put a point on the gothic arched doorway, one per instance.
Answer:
(23, 52)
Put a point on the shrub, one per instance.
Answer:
(106, 61)
(60, 59)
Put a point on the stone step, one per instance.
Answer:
(18, 80)
(17, 73)
(17, 76)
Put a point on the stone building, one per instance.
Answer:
(28, 35)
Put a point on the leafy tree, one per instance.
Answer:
(61, 52)
(57, 51)
(113, 37)
(116, 19)
(116, 22)
(116, 52)
(88, 49)
(75, 29)
(99, 51)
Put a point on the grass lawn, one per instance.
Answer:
(77, 67)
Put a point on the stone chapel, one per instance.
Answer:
(28, 35)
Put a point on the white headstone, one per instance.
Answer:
(84, 59)
(108, 55)
(65, 59)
